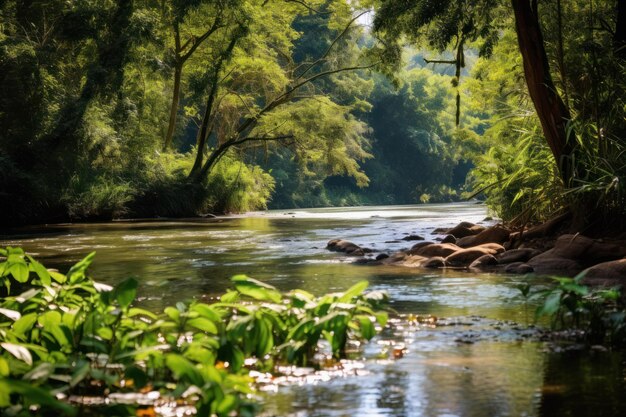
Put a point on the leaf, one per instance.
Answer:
(57, 276)
(40, 373)
(37, 396)
(24, 324)
(125, 292)
(226, 405)
(356, 290)
(20, 352)
(367, 327)
(183, 369)
(256, 289)
(12, 314)
(49, 319)
(203, 324)
(77, 272)
(40, 270)
(4, 368)
(20, 271)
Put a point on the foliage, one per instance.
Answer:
(600, 313)
(64, 335)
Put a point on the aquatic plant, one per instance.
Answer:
(66, 339)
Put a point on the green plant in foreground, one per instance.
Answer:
(600, 313)
(64, 337)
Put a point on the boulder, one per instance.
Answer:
(382, 256)
(416, 248)
(413, 237)
(414, 261)
(465, 257)
(437, 249)
(349, 248)
(606, 274)
(434, 262)
(518, 268)
(494, 247)
(554, 265)
(585, 251)
(517, 255)
(465, 229)
(484, 261)
(495, 234)
(449, 239)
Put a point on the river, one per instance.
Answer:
(481, 363)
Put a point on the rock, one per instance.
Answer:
(382, 256)
(434, 262)
(395, 258)
(437, 249)
(414, 261)
(412, 237)
(606, 273)
(465, 257)
(449, 239)
(464, 229)
(349, 248)
(517, 255)
(415, 249)
(495, 234)
(496, 248)
(554, 265)
(585, 251)
(488, 219)
(484, 261)
(439, 230)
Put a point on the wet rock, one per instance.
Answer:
(585, 250)
(495, 234)
(465, 229)
(415, 249)
(449, 239)
(554, 265)
(517, 255)
(518, 268)
(484, 261)
(465, 257)
(495, 247)
(349, 248)
(412, 237)
(606, 273)
(414, 261)
(437, 249)
(434, 262)
(382, 256)
(439, 230)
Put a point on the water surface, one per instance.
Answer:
(476, 367)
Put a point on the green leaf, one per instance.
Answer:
(40, 373)
(4, 368)
(77, 272)
(50, 319)
(366, 326)
(227, 404)
(37, 396)
(356, 290)
(183, 369)
(256, 289)
(20, 271)
(40, 270)
(19, 351)
(203, 324)
(125, 292)
(25, 324)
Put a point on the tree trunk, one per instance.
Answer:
(552, 112)
(174, 106)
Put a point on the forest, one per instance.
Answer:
(168, 109)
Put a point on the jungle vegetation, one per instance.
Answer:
(139, 108)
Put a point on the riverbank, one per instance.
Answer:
(540, 250)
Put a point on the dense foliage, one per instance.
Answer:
(553, 90)
(65, 336)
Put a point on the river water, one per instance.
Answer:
(481, 363)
